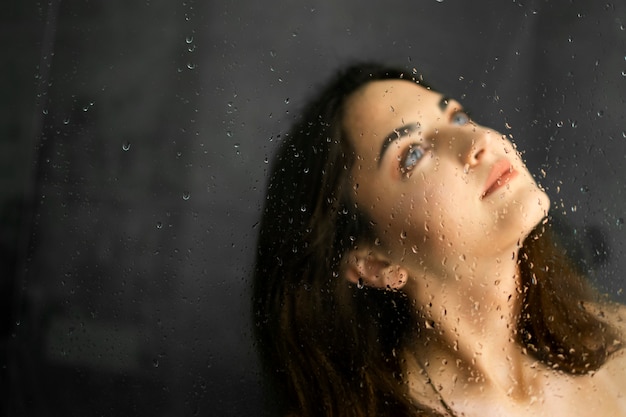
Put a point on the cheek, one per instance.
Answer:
(437, 199)
(424, 213)
(419, 209)
(451, 211)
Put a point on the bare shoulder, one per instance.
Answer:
(612, 372)
(421, 389)
(616, 363)
(613, 314)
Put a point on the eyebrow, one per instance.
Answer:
(406, 130)
(443, 103)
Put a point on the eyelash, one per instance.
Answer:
(405, 157)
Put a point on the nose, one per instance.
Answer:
(477, 146)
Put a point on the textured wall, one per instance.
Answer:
(134, 147)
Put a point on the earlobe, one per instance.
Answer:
(364, 268)
(395, 276)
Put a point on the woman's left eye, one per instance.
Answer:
(460, 118)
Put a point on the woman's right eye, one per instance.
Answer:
(460, 118)
(411, 158)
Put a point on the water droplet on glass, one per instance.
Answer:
(287, 100)
(414, 248)
(619, 221)
(303, 208)
(189, 39)
(574, 208)
(186, 195)
(191, 65)
(403, 235)
(126, 146)
(229, 133)
(66, 121)
(159, 225)
(624, 134)
(272, 53)
(155, 363)
(559, 123)
(600, 113)
(466, 168)
(45, 111)
(359, 283)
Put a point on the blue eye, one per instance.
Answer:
(411, 158)
(460, 118)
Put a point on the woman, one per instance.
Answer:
(405, 267)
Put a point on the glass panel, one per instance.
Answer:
(135, 148)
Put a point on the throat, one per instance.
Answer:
(450, 383)
(471, 343)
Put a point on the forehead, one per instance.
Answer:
(381, 106)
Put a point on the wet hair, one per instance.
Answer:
(329, 348)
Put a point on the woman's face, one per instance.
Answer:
(436, 184)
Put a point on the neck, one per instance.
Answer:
(471, 312)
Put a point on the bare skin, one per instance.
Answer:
(452, 202)
(533, 388)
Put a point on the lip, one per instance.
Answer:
(501, 174)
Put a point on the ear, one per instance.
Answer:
(365, 267)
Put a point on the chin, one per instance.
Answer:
(538, 207)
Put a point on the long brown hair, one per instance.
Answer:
(332, 349)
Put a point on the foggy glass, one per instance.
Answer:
(135, 143)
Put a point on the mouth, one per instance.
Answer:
(501, 174)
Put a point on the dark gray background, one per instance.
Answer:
(134, 146)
